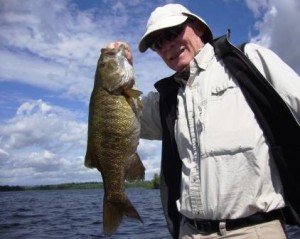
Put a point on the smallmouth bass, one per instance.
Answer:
(113, 134)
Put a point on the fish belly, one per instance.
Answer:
(113, 132)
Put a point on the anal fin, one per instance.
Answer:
(136, 170)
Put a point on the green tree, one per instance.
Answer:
(155, 181)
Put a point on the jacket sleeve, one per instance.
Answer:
(282, 77)
(150, 119)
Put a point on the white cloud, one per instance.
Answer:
(42, 161)
(38, 123)
(150, 153)
(278, 29)
(257, 6)
(58, 32)
(42, 137)
(4, 156)
(28, 69)
(54, 45)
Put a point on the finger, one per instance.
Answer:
(117, 44)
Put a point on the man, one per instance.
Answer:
(227, 171)
(218, 178)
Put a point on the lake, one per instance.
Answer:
(76, 214)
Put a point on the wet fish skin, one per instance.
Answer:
(113, 134)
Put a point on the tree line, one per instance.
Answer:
(152, 184)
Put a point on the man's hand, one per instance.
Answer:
(128, 53)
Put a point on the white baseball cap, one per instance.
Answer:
(168, 16)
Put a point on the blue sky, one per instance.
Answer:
(48, 54)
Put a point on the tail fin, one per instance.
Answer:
(113, 213)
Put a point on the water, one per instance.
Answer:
(76, 214)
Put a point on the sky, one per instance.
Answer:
(48, 54)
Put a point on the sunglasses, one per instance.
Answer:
(169, 34)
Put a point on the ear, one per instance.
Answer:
(198, 28)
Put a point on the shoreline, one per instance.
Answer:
(84, 185)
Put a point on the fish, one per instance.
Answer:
(113, 134)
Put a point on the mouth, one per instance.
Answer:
(177, 54)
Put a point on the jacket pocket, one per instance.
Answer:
(228, 122)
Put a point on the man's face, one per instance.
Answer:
(178, 52)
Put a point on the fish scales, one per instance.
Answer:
(113, 135)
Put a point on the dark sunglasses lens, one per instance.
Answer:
(173, 32)
(167, 35)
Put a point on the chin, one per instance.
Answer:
(181, 66)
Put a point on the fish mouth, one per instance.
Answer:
(177, 54)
